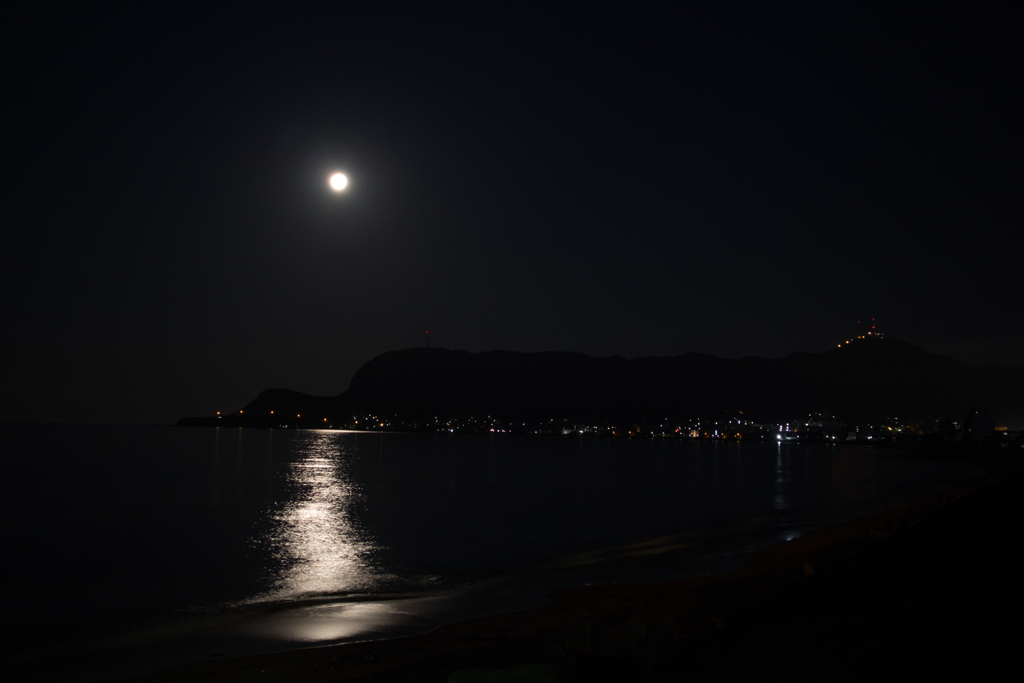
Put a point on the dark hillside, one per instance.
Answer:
(862, 380)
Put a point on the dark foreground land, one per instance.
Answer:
(929, 588)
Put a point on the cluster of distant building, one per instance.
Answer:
(870, 334)
(977, 428)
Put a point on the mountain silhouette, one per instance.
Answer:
(863, 380)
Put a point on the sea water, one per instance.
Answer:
(130, 549)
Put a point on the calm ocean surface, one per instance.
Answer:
(134, 548)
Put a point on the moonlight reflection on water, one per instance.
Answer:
(319, 548)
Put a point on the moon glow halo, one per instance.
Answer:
(338, 182)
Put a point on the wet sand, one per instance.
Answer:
(922, 587)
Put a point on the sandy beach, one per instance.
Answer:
(922, 587)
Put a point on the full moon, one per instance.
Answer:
(338, 182)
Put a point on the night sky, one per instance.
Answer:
(617, 180)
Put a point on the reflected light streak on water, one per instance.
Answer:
(319, 548)
(780, 497)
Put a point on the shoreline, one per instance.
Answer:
(630, 623)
